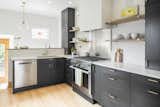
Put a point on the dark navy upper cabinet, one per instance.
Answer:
(68, 21)
(153, 34)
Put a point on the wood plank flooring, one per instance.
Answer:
(52, 96)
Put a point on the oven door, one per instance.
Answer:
(82, 80)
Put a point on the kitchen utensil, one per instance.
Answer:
(117, 37)
(119, 55)
(133, 35)
(127, 36)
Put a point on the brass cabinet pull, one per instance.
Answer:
(111, 70)
(152, 80)
(153, 92)
(111, 97)
(112, 79)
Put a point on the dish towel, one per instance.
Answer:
(78, 78)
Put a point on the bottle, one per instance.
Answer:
(119, 55)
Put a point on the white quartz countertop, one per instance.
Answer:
(131, 68)
(39, 57)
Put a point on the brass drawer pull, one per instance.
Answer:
(152, 80)
(111, 70)
(112, 79)
(111, 97)
(153, 92)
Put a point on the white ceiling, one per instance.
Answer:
(42, 7)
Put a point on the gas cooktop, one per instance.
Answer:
(91, 58)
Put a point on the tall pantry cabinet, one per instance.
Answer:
(153, 34)
(68, 21)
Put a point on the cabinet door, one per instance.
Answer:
(116, 88)
(97, 83)
(143, 95)
(65, 28)
(153, 30)
(90, 14)
(57, 71)
(68, 72)
(43, 72)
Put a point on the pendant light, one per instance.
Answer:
(24, 26)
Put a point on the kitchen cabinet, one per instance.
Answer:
(57, 71)
(111, 87)
(145, 91)
(68, 21)
(50, 71)
(68, 72)
(93, 14)
(123, 4)
(97, 83)
(43, 72)
(152, 34)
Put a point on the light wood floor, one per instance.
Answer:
(53, 96)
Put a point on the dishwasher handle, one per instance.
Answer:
(26, 63)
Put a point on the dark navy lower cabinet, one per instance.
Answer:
(50, 71)
(111, 88)
(68, 72)
(43, 72)
(114, 88)
(145, 92)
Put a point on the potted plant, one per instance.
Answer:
(73, 51)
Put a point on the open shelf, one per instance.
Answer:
(74, 42)
(126, 19)
(73, 30)
(130, 40)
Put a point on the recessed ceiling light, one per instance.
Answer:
(70, 2)
(49, 2)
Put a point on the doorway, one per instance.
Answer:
(4, 45)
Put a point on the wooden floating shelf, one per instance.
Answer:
(79, 42)
(126, 19)
(128, 40)
(73, 30)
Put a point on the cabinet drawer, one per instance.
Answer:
(113, 72)
(114, 98)
(143, 95)
(118, 82)
(146, 80)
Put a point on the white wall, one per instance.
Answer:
(10, 24)
(134, 52)
(98, 43)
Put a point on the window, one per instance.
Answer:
(40, 33)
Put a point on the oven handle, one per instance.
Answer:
(75, 68)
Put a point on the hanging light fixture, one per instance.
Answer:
(24, 26)
(24, 17)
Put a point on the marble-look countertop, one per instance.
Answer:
(131, 68)
(40, 57)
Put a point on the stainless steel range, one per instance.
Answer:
(82, 67)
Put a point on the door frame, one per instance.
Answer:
(6, 42)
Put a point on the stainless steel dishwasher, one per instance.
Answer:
(25, 73)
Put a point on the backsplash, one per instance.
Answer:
(98, 43)
(134, 51)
